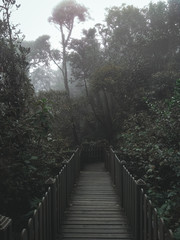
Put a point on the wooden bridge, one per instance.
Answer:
(94, 211)
(93, 197)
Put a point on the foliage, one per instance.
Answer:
(64, 16)
(28, 153)
(85, 57)
(39, 50)
(150, 144)
(66, 11)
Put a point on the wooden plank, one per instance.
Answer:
(145, 217)
(105, 222)
(36, 225)
(93, 226)
(30, 229)
(95, 199)
(94, 238)
(90, 238)
(24, 235)
(97, 235)
(94, 211)
(161, 229)
(150, 220)
(155, 224)
(97, 230)
(81, 210)
(94, 218)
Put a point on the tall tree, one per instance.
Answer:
(125, 27)
(85, 57)
(64, 16)
(41, 58)
(15, 87)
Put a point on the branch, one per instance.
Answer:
(69, 34)
(7, 14)
(3, 7)
(54, 61)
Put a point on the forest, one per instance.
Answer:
(119, 85)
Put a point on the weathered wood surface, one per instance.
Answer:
(94, 211)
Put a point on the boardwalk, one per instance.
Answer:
(94, 211)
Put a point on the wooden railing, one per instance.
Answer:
(46, 221)
(92, 153)
(142, 216)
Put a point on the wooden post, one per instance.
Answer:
(51, 182)
(31, 229)
(112, 164)
(121, 184)
(139, 185)
(5, 228)
(66, 169)
(24, 235)
(106, 157)
(114, 169)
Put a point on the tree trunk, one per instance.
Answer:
(66, 84)
(108, 133)
(108, 114)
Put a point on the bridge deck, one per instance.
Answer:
(94, 211)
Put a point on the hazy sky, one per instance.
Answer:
(33, 14)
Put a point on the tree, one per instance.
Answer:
(45, 78)
(15, 86)
(125, 27)
(39, 51)
(107, 95)
(64, 17)
(85, 58)
(41, 58)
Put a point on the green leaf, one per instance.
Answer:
(177, 233)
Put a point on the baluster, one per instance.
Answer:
(5, 228)
(140, 184)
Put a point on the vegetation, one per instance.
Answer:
(121, 83)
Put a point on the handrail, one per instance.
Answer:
(142, 216)
(92, 153)
(47, 219)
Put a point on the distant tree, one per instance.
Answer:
(39, 54)
(104, 36)
(45, 78)
(64, 17)
(125, 26)
(40, 59)
(85, 58)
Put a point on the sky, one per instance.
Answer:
(32, 16)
